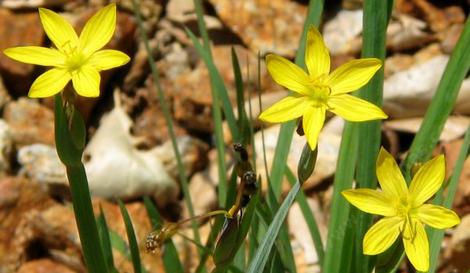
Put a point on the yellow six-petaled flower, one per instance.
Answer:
(318, 90)
(403, 208)
(75, 58)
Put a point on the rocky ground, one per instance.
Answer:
(128, 136)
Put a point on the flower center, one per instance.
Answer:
(75, 61)
(319, 91)
(403, 207)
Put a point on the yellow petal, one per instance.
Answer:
(86, 81)
(98, 30)
(107, 59)
(36, 55)
(417, 247)
(427, 180)
(354, 109)
(381, 235)
(370, 201)
(317, 57)
(287, 74)
(312, 122)
(389, 175)
(49, 83)
(288, 108)
(437, 216)
(353, 75)
(59, 31)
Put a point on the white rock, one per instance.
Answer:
(408, 93)
(41, 163)
(6, 147)
(340, 31)
(116, 169)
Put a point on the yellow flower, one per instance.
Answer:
(75, 58)
(319, 90)
(403, 208)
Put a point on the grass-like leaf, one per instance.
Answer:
(133, 245)
(105, 241)
(340, 207)
(376, 17)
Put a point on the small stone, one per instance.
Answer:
(44, 266)
(41, 163)
(409, 92)
(341, 31)
(30, 122)
(6, 147)
(280, 34)
(18, 29)
(457, 250)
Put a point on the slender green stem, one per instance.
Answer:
(169, 122)
(70, 154)
(376, 14)
(340, 207)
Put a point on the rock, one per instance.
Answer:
(18, 29)
(44, 266)
(193, 153)
(117, 169)
(203, 193)
(4, 96)
(42, 164)
(6, 148)
(279, 34)
(20, 198)
(30, 122)
(408, 93)
(456, 252)
(28, 4)
(341, 33)
(455, 126)
(407, 33)
(192, 99)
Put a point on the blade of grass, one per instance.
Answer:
(436, 236)
(315, 9)
(133, 246)
(168, 120)
(376, 17)
(442, 103)
(301, 199)
(118, 243)
(171, 260)
(340, 207)
(262, 253)
(105, 241)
